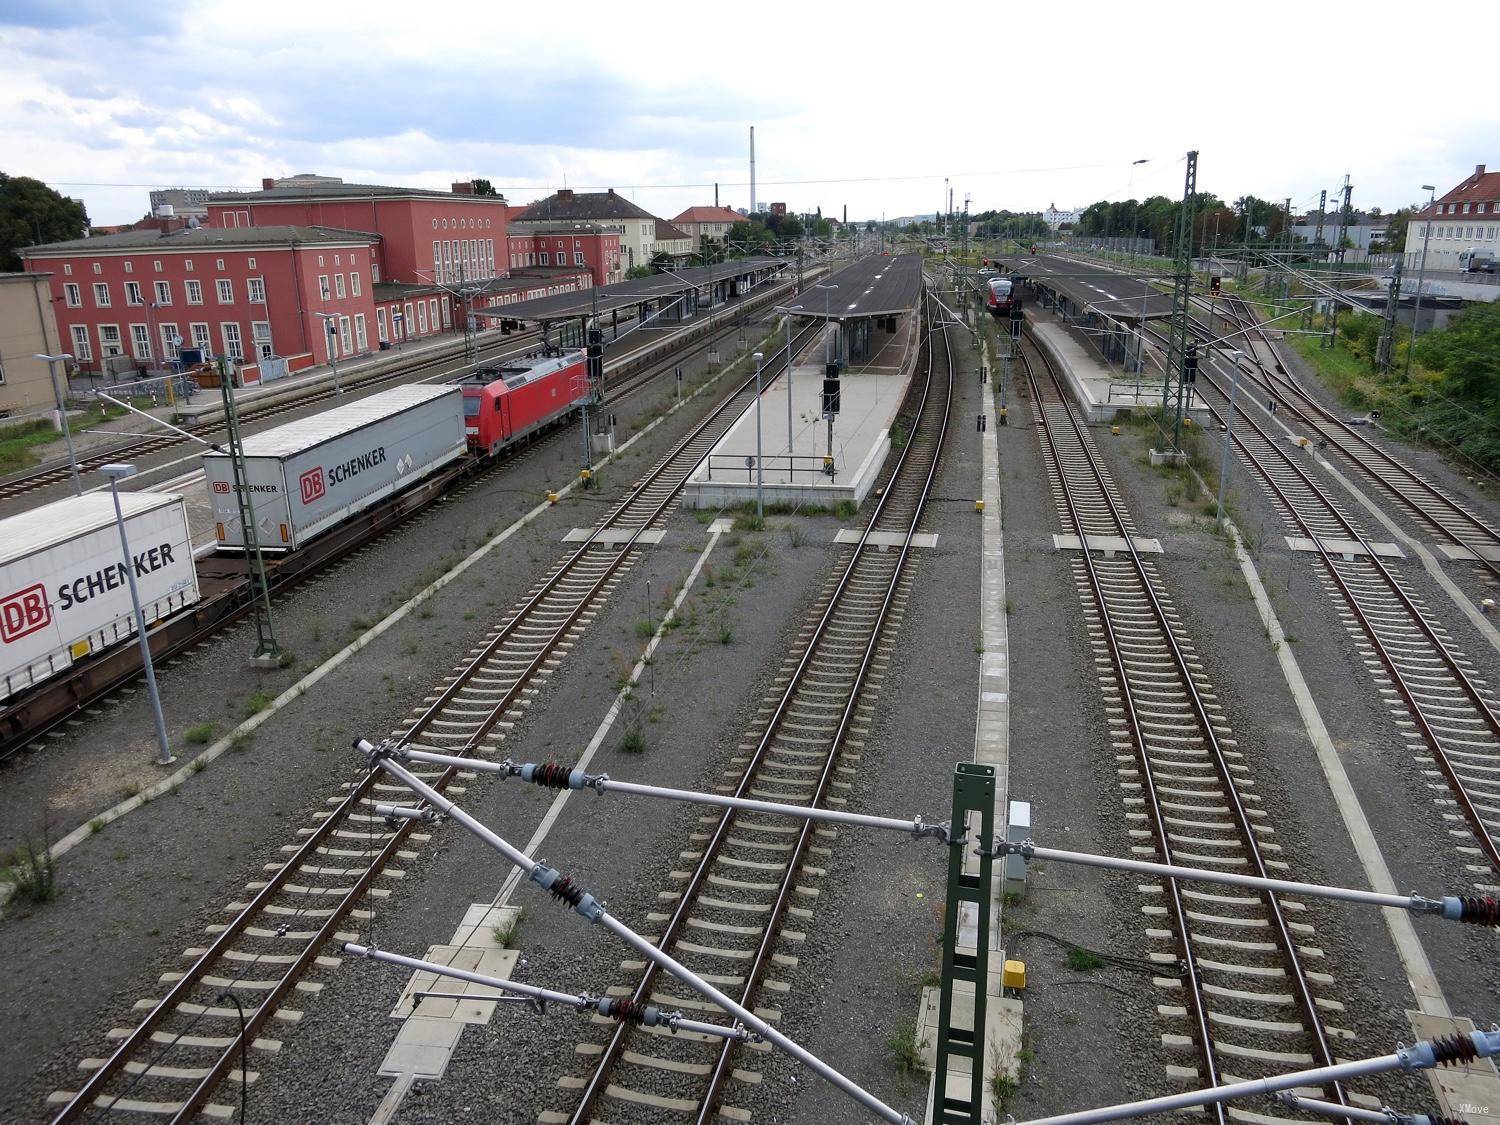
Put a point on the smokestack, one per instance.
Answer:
(846, 214)
(752, 169)
(716, 195)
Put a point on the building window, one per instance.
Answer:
(422, 318)
(260, 333)
(187, 265)
(323, 284)
(233, 347)
(406, 322)
(249, 263)
(354, 259)
(194, 292)
(255, 289)
(344, 335)
(380, 324)
(546, 258)
(1466, 208)
(578, 257)
(225, 289)
(109, 340)
(201, 340)
(218, 263)
(67, 269)
(338, 286)
(354, 285)
(129, 266)
(374, 272)
(140, 341)
(133, 293)
(73, 295)
(83, 348)
(101, 294)
(320, 259)
(338, 259)
(361, 338)
(163, 293)
(156, 266)
(98, 269)
(432, 306)
(170, 341)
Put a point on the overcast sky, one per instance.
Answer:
(865, 104)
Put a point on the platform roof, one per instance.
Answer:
(623, 294)
(1107, 291)
(875, 286)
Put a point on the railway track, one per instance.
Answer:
(1243, 1002)
(223, 1008)
(1454, 525)
(1445, 712)
(753, 874)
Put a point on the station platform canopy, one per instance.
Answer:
(877, 286)
(1106, 292)
(636, 291)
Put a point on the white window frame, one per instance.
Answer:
(374, 272)
(187, 265)
(356, 289)
(546, 259)
(361, 334)
(345, 343)
(338, 287)
(432, 312)
(255, 290)
(129, 266)
(224, 290)
(133, 295)
(380, 324)
(323, 291)
(72, 295)
(234, 344)
(578, 258)
(218, 263)
(421, 318)
(202, 335)
(67, 269)
(194, 291)
(140, 342)
(108, 347)
(163, 290)
(260, 339)
(249, 263)
(167, 330)
(83, 347)
(101, 295)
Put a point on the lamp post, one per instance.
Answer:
(827, 313)
(760, 478)
(330, 320)
(1234, 390)
(62, 412)
(1129, 187)
(115, 472)
(1416, 318)
(788, 310)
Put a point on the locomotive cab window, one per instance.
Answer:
(471, 406)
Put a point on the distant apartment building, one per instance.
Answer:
(707, 222)
(636, 227)
(28, 328)
(1055, 218)
(1465, 218)
(185, 203)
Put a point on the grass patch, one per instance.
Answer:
(645, 628)
(846, 509)
(18, 443)
(749, 522)
(505, 934)
(241, 740)
(906, 1050)
(1083, 960)
(725, 635)
(257, 703)
(35, 874)
(201, 733)
(634, 742)
(1003, 1087)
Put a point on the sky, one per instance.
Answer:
(865, 105)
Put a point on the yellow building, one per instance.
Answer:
(27, 328)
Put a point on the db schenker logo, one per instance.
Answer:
(24, 612)
(221, 486)
(311, 484)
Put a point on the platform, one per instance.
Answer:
(1100, 392)
(870, 394)
(875, 286)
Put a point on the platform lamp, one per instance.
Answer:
(827, 311)
(788, 310)
(330, 320)
(62, 411)
(1234, 358)
(1416, 316)
(115, 473)
(760, 479)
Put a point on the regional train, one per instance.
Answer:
(999, 295)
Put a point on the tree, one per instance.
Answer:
(822, 228)
(1395, 228)
(1467, 353)
(789, 228)
(637, 271)
(484, 187)
(661, 260)
(31, 213)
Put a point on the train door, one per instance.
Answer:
(502, 405)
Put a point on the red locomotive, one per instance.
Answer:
(504, 403)
(998, 295)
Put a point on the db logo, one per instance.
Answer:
(311, 483)
(24, 612)
(221, 486)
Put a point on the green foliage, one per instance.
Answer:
(634, 742)
(638, 271)
(1083, 960)
(505, 933)
(19, 441)
(201, 733)
(1467, 353)
(906, 1049)
(32, 213)
(35, 874)
(485, 188)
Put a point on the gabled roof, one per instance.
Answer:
(666, 232)
(204, 238)
(290, 193)
(567, 206)
(1480, 187)
(709, 215)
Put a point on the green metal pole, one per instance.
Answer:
(266, 648)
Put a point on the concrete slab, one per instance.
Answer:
(1470, 1091)
(1489, 552)
(1349, 548)
(1109, 545)
(613, 536)
(794, 436)
(847, 536)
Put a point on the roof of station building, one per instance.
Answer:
(874, 286)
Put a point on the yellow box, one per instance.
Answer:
(79, 649)
(1014, 975)
(979, 505)
(1115, 430)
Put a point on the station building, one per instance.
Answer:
(641, 233)
(1465, 218)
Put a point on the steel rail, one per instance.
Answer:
(1460, 792)
(1297, 976)
(1285, 387)
(598, 1079)
(93, 1088)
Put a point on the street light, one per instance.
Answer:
(1129, 187)
(1234, 389)
(62, 412)
(788, 310)
(827, 314)
(1416, 318)
(115, 472)
(760, 479)
(331, 320)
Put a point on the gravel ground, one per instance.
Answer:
(152, 873)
